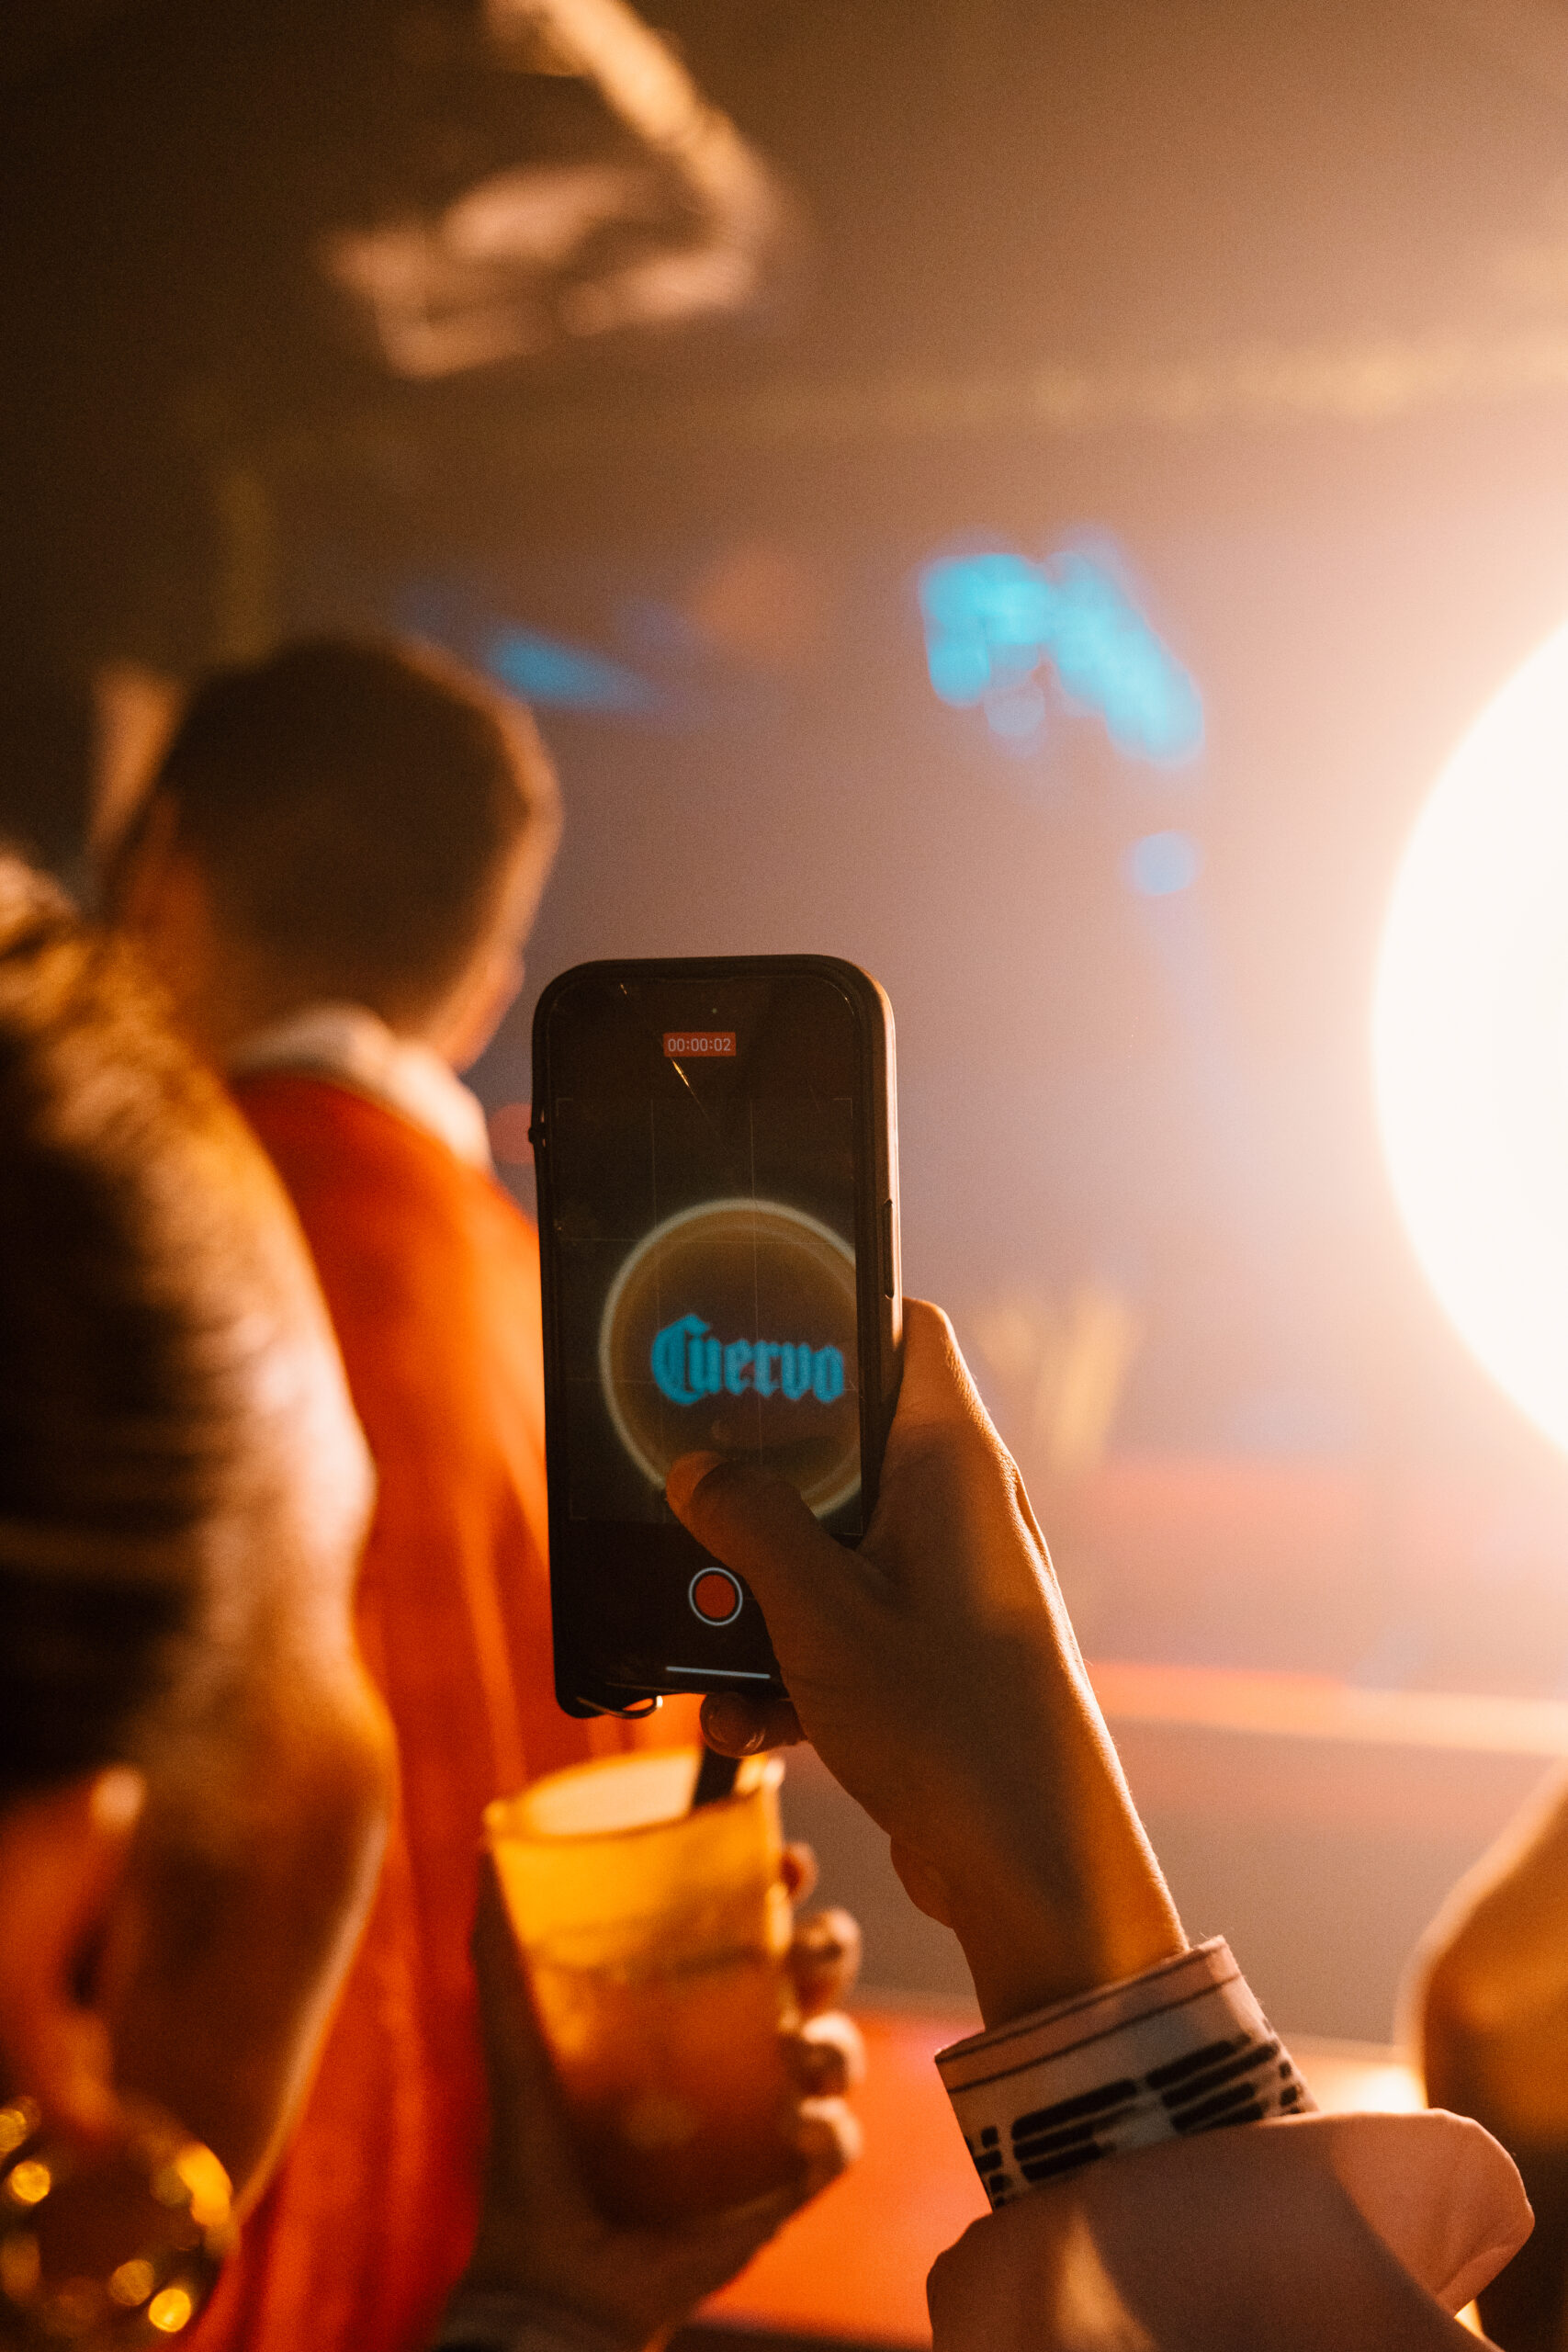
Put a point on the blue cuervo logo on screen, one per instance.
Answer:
(693, 1352)
(690, 1364)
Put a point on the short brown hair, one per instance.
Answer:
(356, 807)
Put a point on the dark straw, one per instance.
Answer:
(716, 1778)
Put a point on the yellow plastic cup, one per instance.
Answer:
(655, 1941)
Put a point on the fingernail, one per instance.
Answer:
(686, 1476)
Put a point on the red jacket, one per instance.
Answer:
(431, 1276)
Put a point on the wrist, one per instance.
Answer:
(1038, 1931)
(1025, 1958)
(1057, 1891)
(1016, 1973)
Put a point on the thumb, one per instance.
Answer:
(755, 1523)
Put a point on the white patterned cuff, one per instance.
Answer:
(1182, 2048)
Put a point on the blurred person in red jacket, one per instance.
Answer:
(334, 872)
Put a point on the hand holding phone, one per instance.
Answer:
(716, 1144)
(935, 1673)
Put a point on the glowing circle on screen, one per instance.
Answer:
(1470, 1035)
(733, 1325)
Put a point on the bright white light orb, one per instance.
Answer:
(1470, 1037)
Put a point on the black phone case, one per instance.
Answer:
(579, 1690)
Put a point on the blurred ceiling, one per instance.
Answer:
(34, 34)
(1023, 224)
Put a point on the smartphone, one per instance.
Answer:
(716, 1143)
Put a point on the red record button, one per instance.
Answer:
(715, 1595)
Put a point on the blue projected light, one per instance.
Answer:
(992, 621)
(559, 676)
(1162, 864)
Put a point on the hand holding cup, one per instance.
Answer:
(541, 2232)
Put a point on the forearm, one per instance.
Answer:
(1029, 1945)
(1065, 1895)
(1359, 2232)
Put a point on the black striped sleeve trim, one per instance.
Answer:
(1226, 2077)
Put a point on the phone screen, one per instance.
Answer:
(703, 1143)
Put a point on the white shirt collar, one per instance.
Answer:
(349, 1042)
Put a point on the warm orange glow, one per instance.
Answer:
(132, 2282)
(208, 2183)
(29, 2182)
(170, 2310)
